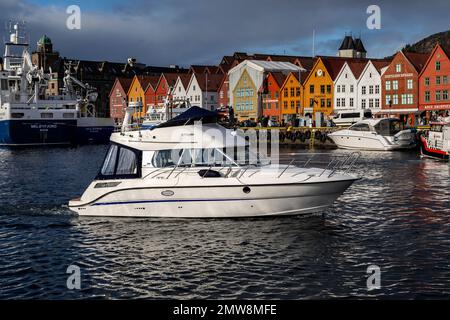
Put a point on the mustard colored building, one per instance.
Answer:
(291, 97)
(136, 93)
(245, 98)
(318, 86)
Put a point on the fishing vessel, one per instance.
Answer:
(29, 117)
(435, 143)
(383, 134)
(192, 167)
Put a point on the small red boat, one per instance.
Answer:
(435, 143)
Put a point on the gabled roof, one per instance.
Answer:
(147, 81)
(214, 81)
(432, 53)
(418, 60)
(279, 77)
(125, 83)
(380, 64)
(357, 67)
(185, 78)
(171, 78)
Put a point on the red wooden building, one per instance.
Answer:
(271, 97)
(434, 83)
(400, 89)
(118, 98)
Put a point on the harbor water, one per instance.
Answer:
(397, 217)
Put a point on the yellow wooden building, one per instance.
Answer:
(318, 86)
(245, 98)
(291, 97)
(136, 93)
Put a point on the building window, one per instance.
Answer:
(444, 79)
(363, 90)
(395, 99)
(343, 88)
(438, 95)
(438, 80)
(351, 102)
(363, 103)
(445, 95)
(338, 103)
(388, 85)
(427, 96)
(370, 89)
(328, 103)
(297, 92)
(292, 104)
(343, 102)
(328, 89)
(297, 103)
(410, 98)
(409, 84)
(395, 85)
(398, 67)
(403, 98)
(311, 88)
(322, 103)
(438, 65)
(388, 100)
(338, 89)
(322, 89)
(351, 88)
(370, 103)
(377, 89)
(286, 92)
(377, 103)
(427, 81)
(285, 105)
(311, 102)
(292, 92)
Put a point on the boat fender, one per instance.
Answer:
(307, 134)
(302, 137)
(205, 173)
(318, 135)
(293, 137)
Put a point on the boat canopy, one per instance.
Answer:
(190, 116)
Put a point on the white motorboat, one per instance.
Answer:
(185, 169)
(383, 134)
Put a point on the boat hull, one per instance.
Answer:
(215, 201)
(37, 132)
(369, 143)
(429, 152)
(94, 130)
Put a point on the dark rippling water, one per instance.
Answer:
(397, 217)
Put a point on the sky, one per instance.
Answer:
(185, 32)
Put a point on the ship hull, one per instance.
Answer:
(94, 130)
(37, 132)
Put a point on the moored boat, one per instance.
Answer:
(384, 134)
(435, 143)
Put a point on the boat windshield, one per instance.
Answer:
(207, 157)
(389, 127)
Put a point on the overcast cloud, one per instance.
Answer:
(188, 32)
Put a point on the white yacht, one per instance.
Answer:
(375, 134)
(435, 143)
(185, 169)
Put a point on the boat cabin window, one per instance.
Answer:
(436, 128)
(121, 163)
(389, 128)
(206, 157)
(360, 127)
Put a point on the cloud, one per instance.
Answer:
(202, 31)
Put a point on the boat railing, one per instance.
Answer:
(338, 163)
